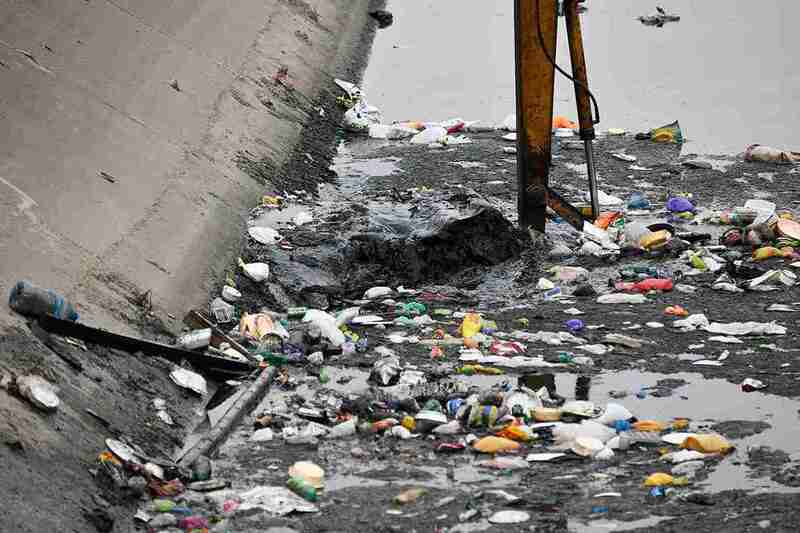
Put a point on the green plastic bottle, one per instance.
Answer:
(302, 489)
(323, 376)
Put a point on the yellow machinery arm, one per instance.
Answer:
(536, 30)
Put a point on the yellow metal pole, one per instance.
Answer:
(535, 86)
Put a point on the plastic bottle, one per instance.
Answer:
(302, 489)
(199, 338)
(28, 299)
(323, 376)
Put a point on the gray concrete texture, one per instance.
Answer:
(85, 88)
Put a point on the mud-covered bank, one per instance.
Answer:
(385, 187)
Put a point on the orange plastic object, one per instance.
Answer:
(515, 433)
(676, 310)
(496, 445)
(560, 121)
(606, 219)
(649, 425)
(471, 343)
(383, 425)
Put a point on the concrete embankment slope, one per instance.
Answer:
(124, 129)
(121, 124)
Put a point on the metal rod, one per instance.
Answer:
(592, 172)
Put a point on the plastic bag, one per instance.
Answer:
(429, 135)
(264, 235)
(258, 272)
(327, 325)
(471, 325)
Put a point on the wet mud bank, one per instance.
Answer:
(368, 228)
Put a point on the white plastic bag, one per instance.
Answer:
(258, 272)
(327, 325)
(264, 235)
(429, 135)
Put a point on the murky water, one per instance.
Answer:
(726, 70)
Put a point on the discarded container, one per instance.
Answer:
(302, 489)
(587, 446)
(199, 338)
(189, 380)
(345, 429)
(257, 272)
(750, 385)
(308, 472)
(28, 299)
(39, 392)
(230, 294)
(222, 311)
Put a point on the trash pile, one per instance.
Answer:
(363, 118)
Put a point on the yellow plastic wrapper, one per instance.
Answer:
(471, 325)
(409, 423)
(658, 480)
(707, 443)
(680, 423)
(655, 240)
(766, 252)
(256, 326)
(409, 496)
(671, 133)
(496, 445)
(649, 425)
(271, 201)
(546, 414)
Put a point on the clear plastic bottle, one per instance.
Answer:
(28, 299)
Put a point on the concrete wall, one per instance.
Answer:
(85, 88)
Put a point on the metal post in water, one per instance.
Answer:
(535, 75)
